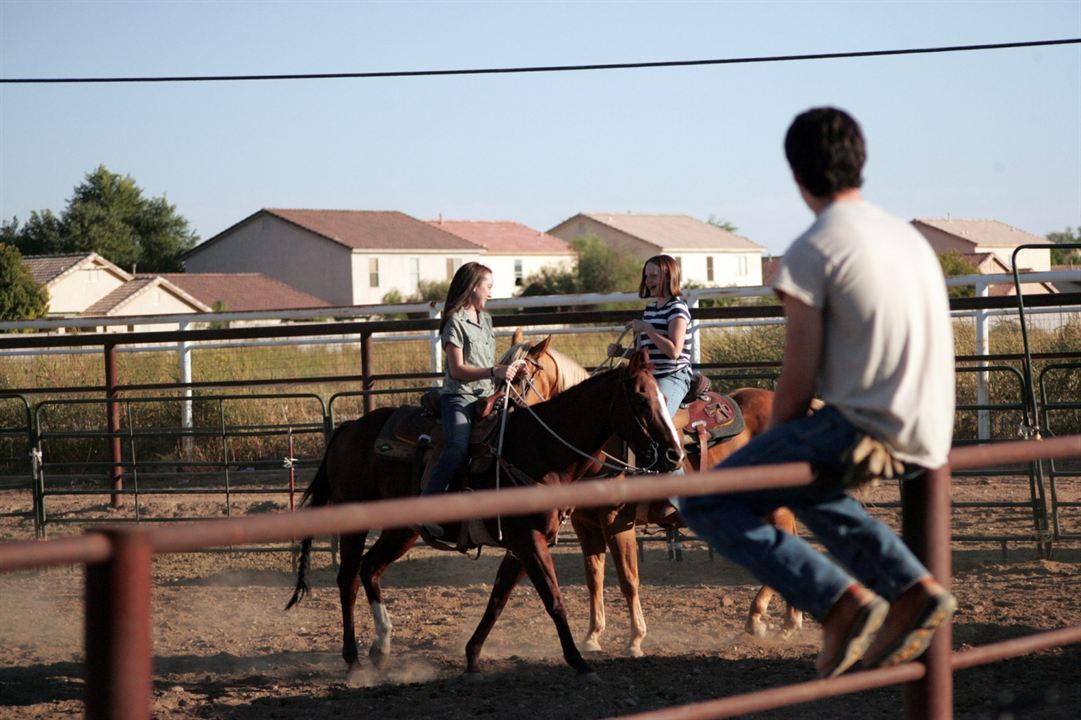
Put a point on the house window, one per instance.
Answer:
(741, 265)
(518, 272)
(373, 272)
(452, 266)
(93, 274)
(709, 268)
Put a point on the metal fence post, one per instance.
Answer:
(925, 526)
(187, 417)
(366, 369)
(983, 346)
(117, 629)
(112, 417)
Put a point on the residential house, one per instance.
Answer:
(707, 254)
(345, 257)
(512, 250)
(88, 285)
(973, 237)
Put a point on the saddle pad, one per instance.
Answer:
(717, 414)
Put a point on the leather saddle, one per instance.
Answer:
(413, 429)
(711, 416)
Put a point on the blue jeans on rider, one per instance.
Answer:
(457, 415)
(861, 547)
(675, 387)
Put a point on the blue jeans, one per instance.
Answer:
(861, 547)
(675, 387)
(457, 418)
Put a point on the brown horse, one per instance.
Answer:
(613, 528)
(624, 402)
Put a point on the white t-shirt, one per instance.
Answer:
(888, 358)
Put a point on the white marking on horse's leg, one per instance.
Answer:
(638, 627)
(383, 630)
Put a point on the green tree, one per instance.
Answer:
(1066, 256)
(21, 297)
(722, 224)
(430, 291)
(601, 269)
(954, 264)
(109, 215)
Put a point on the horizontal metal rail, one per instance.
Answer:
(118, 635)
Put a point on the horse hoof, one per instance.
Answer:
(378, 657)
(757, 628)
(591, 646)
(356, 676)
(591, 677)
(635, 652)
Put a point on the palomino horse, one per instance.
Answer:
(612, 528)
(624, 402)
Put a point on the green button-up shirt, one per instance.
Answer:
(477, 341)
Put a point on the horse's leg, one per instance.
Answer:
(591, 539)
(624, 547)
(390, 546)
(350, 551)
(783, 519)
(507, 577)
(537, 562)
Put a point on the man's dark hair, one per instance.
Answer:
(825, 150)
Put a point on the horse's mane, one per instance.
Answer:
(570, 372)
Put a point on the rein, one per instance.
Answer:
(553, 433)
(610, 360)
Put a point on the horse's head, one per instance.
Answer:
(547, 372)
(640, 417)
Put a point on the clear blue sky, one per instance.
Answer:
(994, 134)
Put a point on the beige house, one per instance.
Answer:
(88, 285)
(512, 250)
(976, 237)
(707, 254)
(75, 282)
(344, 257)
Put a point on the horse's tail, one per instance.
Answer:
(317, 495)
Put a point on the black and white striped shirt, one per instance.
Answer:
(659, 317)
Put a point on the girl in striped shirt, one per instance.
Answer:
(662, 331)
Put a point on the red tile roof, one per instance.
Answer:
(374, 230)
(498, 236)
(241, 292)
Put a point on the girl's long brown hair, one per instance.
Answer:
(669, 268)
(461, 285)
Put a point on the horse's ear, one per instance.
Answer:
(517, 337)
(640, 362)
(540, 347)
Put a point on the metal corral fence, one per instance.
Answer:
(200, 451)
(118, 661)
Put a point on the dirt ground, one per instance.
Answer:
(225, 648)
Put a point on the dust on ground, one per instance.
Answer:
(225, 648)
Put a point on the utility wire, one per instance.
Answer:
(547, 68)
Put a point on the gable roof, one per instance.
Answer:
(985, 233)
(132, 289)
(359, 230)
(243, 291)
(674, 232)
(47, 269)
(500, 236)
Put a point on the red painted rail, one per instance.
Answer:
(119, 562)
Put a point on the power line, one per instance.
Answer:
(547, 68)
